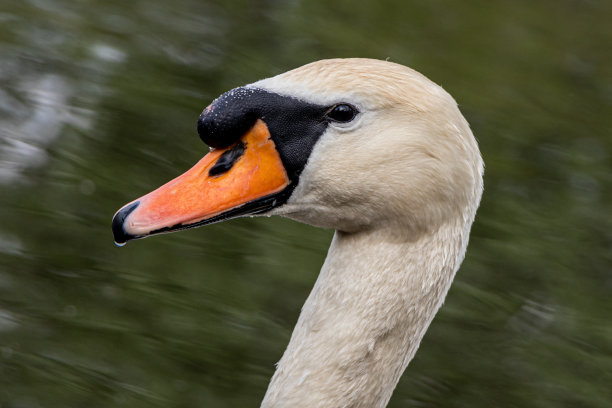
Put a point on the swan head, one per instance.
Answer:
(349, 144)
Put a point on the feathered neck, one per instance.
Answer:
(375, 297)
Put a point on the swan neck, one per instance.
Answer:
(365, 317)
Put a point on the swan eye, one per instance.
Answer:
(342, 113)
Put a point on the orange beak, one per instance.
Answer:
(225, 183)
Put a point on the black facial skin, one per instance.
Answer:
(295, 126)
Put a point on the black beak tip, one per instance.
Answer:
(119, 234)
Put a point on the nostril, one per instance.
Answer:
(227, 160)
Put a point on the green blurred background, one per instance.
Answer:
(98, 105)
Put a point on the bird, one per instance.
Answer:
(371, 149)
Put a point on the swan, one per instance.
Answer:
(370, 148)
